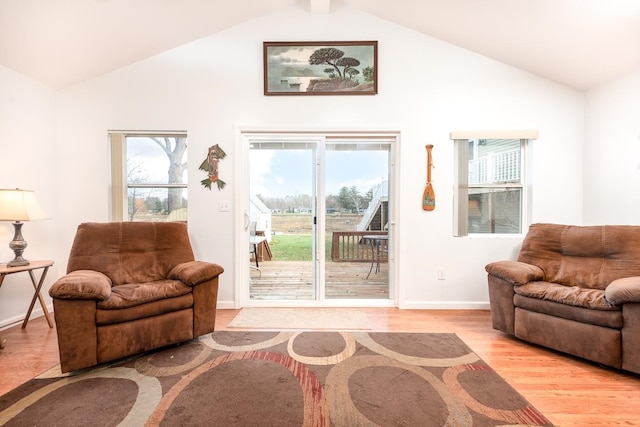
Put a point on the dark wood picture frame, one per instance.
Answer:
(320, 68)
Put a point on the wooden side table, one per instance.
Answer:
(37, 286)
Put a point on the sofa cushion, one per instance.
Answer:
(130, 252)
(588, 256)
(606, 318)
(113, 316)
(570, 295)
(133, 294)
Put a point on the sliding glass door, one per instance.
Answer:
(320, 207)
(282, 206)
(356, 188)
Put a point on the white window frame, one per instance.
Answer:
(461, 176)
(119, 186)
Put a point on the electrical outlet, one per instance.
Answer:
(442, 274)
(224, 206)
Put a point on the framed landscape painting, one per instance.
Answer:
(321, 68)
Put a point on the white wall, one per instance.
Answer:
(427, 88)
(612, 152)
(27, 160)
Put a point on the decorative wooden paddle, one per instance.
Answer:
(428, 195)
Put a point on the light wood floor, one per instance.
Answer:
(569, 391)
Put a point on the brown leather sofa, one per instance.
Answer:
(575, 289)
(131, 287)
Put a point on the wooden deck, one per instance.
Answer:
(292, 280)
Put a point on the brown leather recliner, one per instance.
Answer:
(574, 289)
(131, 287)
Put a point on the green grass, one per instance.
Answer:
(295, 247)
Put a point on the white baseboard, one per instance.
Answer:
(413, 305)
(445, 305)
(226, 305)
(16, 320)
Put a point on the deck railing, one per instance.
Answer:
(350, 246)
(495, 167)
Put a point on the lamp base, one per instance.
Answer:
(18, 245)
(18, 262)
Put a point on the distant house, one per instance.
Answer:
(261, 215)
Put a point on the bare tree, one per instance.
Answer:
(174, 148)
(135, 175)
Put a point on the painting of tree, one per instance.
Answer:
(327, 68)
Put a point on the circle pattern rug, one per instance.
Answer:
(249, 378)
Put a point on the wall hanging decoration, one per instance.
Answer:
(321, 68)
(210, 165)
(428, 195)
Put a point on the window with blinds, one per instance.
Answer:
(492, 193)
(148, 176)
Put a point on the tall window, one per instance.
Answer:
(148, 176)
(491, 194)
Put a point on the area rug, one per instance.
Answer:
(301, 318)
(260, 378)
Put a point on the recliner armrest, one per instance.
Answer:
(193, 272)
(626, 289)
(515, 272)
(82, 284)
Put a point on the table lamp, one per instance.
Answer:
(19, 205)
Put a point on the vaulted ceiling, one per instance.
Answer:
(578, 43)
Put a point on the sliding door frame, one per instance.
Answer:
(243, 135)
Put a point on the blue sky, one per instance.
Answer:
(280, 173)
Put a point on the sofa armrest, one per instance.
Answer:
(515, 272)
(626, 289)
(83, 285)
(194, 272)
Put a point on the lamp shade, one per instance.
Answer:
(20, 205)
